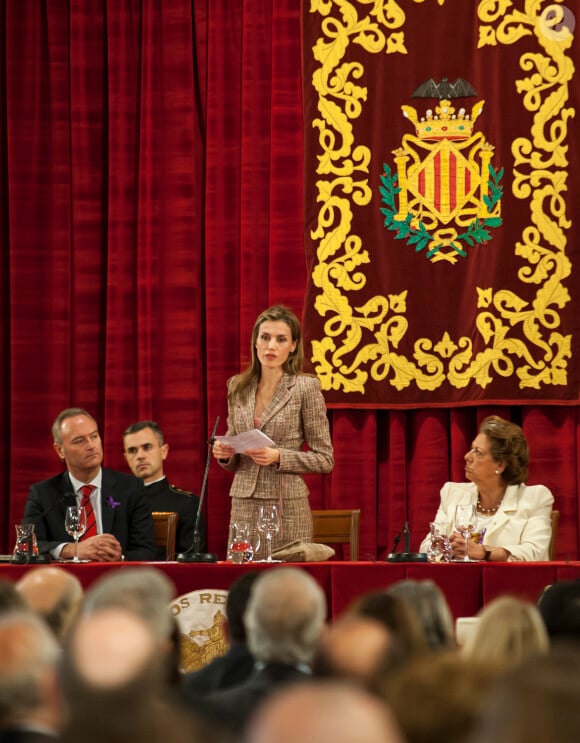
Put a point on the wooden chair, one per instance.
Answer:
(339, 526)
(554, 539)
(165, 523)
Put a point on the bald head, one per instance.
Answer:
(113, 686)
(323, 711)
(354, 648)
(111, 648)
(54, 594)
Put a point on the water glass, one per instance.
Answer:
(25, 540)
(439, 549)
(240, 548)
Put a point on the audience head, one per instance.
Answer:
(236, 604)
(54, 594)
(507, 444)
(559, 607)
(316, 712)
(10, 598)
(148, 593)
(509, 630)
(430, 605)
(145, 450)
(399, 619)
(109, 648)
(29, 658)
(114, 685)
(438, 696)
(285, 615)
(535, 702)
(354, 648)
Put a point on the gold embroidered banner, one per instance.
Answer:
(440, 200)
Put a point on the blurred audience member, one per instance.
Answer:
(148, 593)
(559, 607)
(30, 700)
(536, 702)
(54, 594)
(354, 648)
(238, 663)
(323, 712)
(284, 618)
(438, 697)
(430, 605)
(114, 685)
(398, 617)
(509, 630)
(10, 598)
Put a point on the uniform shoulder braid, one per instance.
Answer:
(175, 489)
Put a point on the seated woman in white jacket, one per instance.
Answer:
(516, 517)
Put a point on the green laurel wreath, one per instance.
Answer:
(477, 232)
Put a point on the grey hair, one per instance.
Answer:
(430, 605)
(28, 650)
(62, 416)
(285, 615)
(147, 592)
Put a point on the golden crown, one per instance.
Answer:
(444, 123)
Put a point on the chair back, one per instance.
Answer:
(165, 523)
(338, 526)
(554, 539)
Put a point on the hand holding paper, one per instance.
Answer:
(254, 439)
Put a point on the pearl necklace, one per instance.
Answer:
(487, 511)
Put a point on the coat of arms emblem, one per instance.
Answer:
(449, 194)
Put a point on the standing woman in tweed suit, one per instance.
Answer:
(274, 395)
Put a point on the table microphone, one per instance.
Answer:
(407, 555)
(193, 554)
(29, 558)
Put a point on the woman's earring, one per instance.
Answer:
(497, 472)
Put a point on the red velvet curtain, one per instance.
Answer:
(151, 204)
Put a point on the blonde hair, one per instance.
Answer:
(507, 444)
(509, 631)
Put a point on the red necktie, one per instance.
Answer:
(91, 531)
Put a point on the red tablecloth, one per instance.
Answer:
(467, 587)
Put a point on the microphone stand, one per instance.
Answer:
(193, 554)
(407, 555)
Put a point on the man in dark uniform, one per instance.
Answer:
(145, 451)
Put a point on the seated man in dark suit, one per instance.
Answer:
(119, 520)
(284, 620)
(145, 451)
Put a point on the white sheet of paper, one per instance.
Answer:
(254, 439)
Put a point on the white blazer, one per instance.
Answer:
(522, 524)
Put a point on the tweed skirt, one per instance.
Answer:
(296, 521)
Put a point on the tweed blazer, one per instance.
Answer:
(522, 523)
(296, 415)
